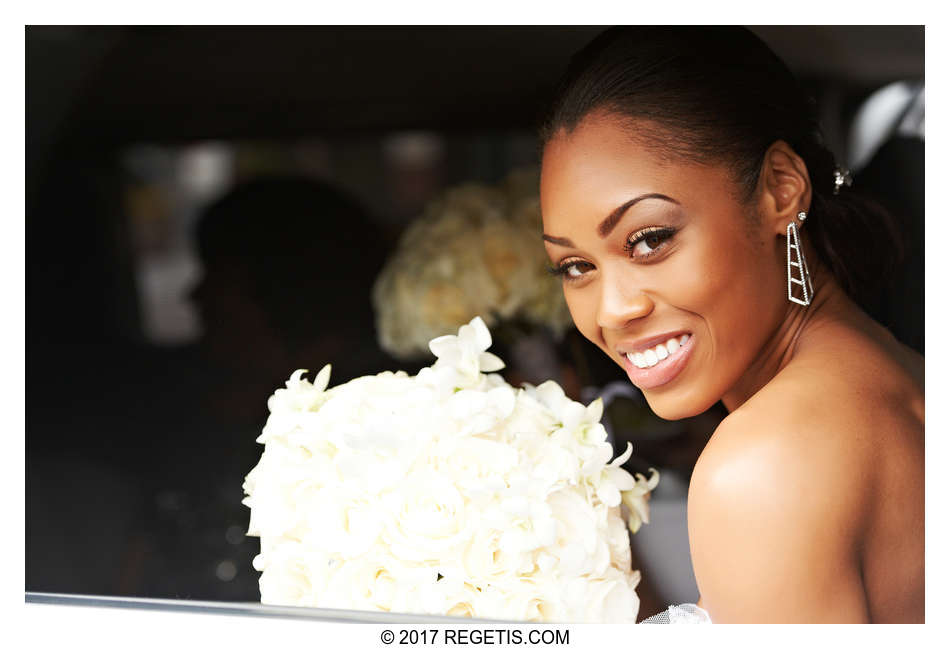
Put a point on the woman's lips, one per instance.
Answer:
(664, 371)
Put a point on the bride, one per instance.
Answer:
(708, 245)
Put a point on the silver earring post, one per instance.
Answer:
(796, 266)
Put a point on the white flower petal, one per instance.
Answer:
(482, 337)
(650, 484)
(595, 409)
(444, 347)
(502, 400)
(608, 494)
(323, 378)
(572, 415)
(623, 457)
(488, 362)
(620, 478)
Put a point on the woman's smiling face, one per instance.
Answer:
(664, 267)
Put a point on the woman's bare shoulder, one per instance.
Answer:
(794, 472)
(798, 431)
(840, 401)
(765, 537)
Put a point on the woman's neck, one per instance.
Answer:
(829, 302)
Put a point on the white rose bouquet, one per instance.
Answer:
(475, 250)
(449, 492)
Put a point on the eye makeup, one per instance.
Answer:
(563, 271)
(652, 239)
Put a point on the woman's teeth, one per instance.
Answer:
(654, 355)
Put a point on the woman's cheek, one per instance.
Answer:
(575, 306)
(699, 282)
(724, 284)
(582, 303)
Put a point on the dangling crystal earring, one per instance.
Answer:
(797, 269)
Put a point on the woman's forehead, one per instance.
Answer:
(600, 163)
(597, 156)
(604, 143)
(590, 172)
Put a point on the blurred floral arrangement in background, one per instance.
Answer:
(476, 250)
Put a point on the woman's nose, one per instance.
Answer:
(620, 305)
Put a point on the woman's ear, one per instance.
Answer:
(784, 186)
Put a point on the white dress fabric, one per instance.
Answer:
(680, 614)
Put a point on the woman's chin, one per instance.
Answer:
(675, 405)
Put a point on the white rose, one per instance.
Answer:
(581, 547)
(531, 525)
(294, 405)
(429, 519)
(368, 584)
(484, 559)
(449, 596)
(272, 487)
(478, 466)
(618, 541)
(525, 599)
(480, 411)
(610, 598)
(292, 574)
(342, 523)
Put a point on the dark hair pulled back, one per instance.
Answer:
(720, 95)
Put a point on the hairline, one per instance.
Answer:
(658, 138)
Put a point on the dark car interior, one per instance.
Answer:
(158, 322)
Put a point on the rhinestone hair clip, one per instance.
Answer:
(842, 177)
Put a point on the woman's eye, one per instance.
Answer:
(647, 242)
(572, 269)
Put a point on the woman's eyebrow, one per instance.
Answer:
(607, 225)
(561, 241)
